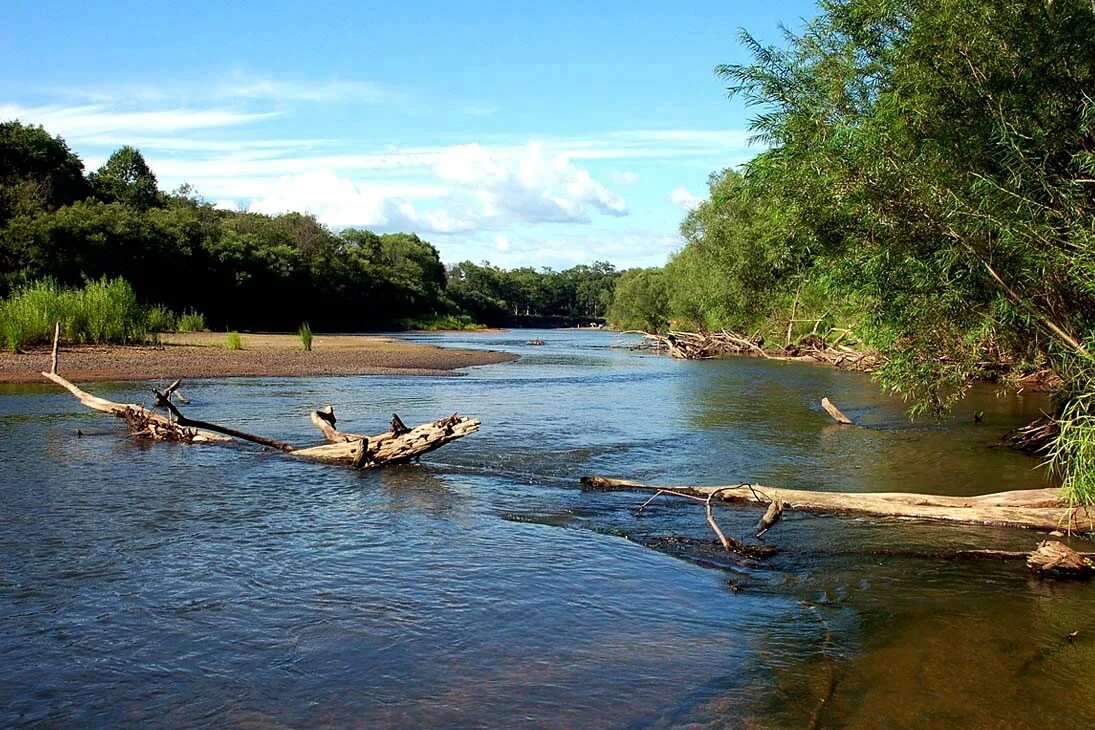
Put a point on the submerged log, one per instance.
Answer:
(1039, 509)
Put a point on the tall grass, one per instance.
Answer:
(233, 341)
(103, 311)
(191, 321)
(305, 333)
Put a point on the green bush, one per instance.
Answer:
(191, 321)
(104, 311)
(159, 318)
(438, 322)
(233, 341)
(305, 332)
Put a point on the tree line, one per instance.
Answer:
(928, 185)
(247, 270)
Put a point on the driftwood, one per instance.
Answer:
(835, 413)
(708, 345)
(350, 449)
(1050, 558)
(398, 445)
(1039, 509)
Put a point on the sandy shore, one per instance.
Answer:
(204, 355)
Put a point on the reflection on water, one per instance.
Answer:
(183, 586)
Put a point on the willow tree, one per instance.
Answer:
(944, 151)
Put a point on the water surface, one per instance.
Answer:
(167, 585)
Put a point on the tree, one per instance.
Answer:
(126, 178)
(641, 301)
(940, 155)
(37, 171)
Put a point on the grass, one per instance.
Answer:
(305, 334)
(233, 341)
(101, 312)
(190, 321)
(104, 311)
(1072, 454)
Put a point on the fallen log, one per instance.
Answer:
(1039, 509)
(1051, 558)
(358, 451)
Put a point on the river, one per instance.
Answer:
(179, 586)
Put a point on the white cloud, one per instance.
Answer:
(227, 205)
(625, 177)
(333, 90)
(239, 86)
(470, 187)
(528, 183)
(684, 199)
(625, 247)
(501, 242)
(339, 202)
(80, 121)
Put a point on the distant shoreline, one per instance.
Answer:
(204, 355)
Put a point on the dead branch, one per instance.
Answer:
(56, 342)
(771, 516)
(835, 413)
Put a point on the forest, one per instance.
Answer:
(927, 183)
(243, 270)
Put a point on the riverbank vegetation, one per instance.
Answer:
(101, 312)
(247, 270)
(928, 184)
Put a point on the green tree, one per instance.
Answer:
(37, 171)
(126, 178)
(641, 301)
(940, 154)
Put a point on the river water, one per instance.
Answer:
(177, 586)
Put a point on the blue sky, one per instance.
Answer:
(524, 134)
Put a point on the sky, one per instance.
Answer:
(524, 134)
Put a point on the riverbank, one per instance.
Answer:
(204, 355)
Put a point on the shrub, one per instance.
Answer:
(438, 322)
(191, 321)
(103, 311)
(159, 319)
(234, 342)
(305, 332)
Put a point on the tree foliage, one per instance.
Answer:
(37, 172)
(578, 295)
(641, 301)
(126, 178)
(929, 180)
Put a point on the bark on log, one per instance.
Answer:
(387, 448)
(1039, 509)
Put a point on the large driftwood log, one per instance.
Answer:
(1040, 509)
(350, 449)
(1050, 559)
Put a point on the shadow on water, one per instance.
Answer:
(197, 587)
